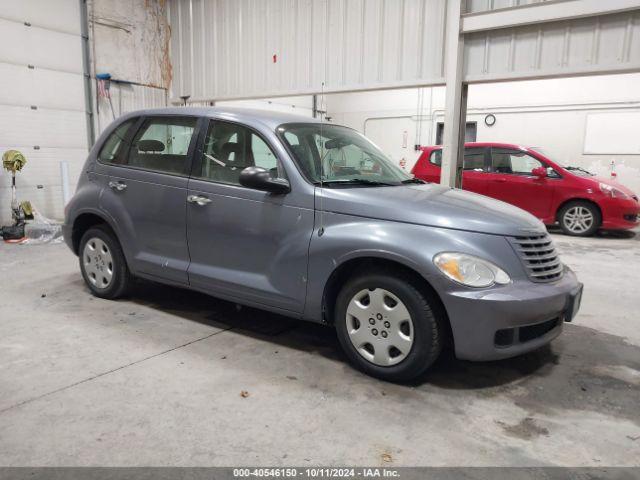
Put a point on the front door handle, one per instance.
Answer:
(199, 200)
(119, 186)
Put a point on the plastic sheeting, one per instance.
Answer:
(42, 230)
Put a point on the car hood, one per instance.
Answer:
(432, 205)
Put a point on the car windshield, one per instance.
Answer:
(340, 156)
(573, 169)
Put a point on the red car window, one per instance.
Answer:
(436, 157)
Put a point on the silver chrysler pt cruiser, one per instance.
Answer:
(311, 220)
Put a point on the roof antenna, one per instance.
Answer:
(321, 192)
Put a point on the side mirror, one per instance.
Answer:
(539, 172)
(260, 179)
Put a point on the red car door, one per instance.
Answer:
(511, 180)
(475, 170)
(476, 166)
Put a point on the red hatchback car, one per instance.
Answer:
(527, 178)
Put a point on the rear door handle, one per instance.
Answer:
(119, 186)
(199, 200)
(500, 180)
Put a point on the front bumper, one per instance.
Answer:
(620, 213)
(507, 321)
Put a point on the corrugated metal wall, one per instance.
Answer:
(224, 49)
(609, 43)
(244, 48)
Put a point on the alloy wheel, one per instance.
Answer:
(578, 219)
(379, 326)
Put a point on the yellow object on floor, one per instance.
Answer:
(27, 209)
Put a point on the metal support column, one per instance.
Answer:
(456, 99)
(86, 62)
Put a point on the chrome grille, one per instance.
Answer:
(539, 257)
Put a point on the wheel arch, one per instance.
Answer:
(84, 222)
(578, 199)
(350, 267)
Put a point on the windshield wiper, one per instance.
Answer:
(355, 181)
(413, 180)
(580, 169)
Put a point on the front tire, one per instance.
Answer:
(387, 326)
(102, 263)
(579, 218)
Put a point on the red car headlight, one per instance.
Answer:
(613, 192)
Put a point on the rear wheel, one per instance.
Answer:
(579, 218)
(387, 326)
(102, 263)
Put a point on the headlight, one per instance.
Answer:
(469, 270)
(613, 192)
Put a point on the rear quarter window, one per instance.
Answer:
(435, 157)
(113, 149)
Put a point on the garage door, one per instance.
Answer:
(42, 111)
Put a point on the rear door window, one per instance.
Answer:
(162, 144)
(474, 159)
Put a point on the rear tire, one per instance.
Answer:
(579, 218)
(102, 263)
(387, 326)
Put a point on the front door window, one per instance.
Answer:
(230, 148)
(513, 162)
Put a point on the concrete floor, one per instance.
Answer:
(157, 380)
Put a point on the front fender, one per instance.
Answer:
(347, 238)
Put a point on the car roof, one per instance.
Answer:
(248, 116)
(483, 145)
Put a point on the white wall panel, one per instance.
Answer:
(224, 49)
(24, 127)
(43, 166)
(41, 98)
(37, 46)
(43, 88)
(40, 181)
(48, 201)
(612, 133)
(59, 15)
